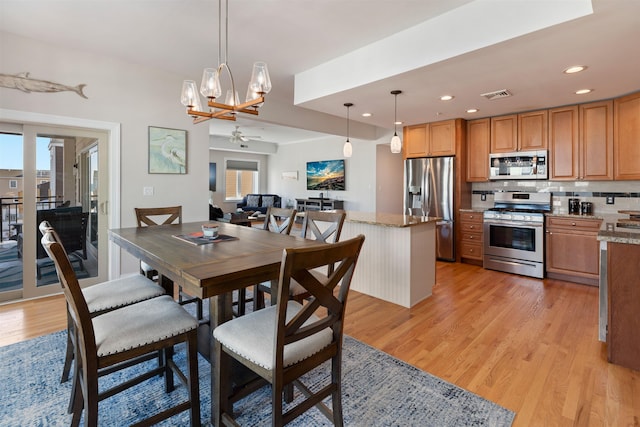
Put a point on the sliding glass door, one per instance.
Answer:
(53, 174)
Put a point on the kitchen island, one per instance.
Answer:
(398, 259)
(620, 290)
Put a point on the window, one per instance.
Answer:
(241, 178)
(13, 183)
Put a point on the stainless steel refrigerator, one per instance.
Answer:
(428, 191)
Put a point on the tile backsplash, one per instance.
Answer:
(626, 194)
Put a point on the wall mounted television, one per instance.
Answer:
(326, 175)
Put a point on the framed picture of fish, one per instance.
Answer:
(167, 150)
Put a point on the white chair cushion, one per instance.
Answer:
(253, 337)
(120, 292)
(139, 324)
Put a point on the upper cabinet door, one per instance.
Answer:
(478, 143)
(415, 141)
(504, 134)
(596, 141)
(564, 153)
(627, 135)
(442, 138)
(532, 131)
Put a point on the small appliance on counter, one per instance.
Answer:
(586, 208)
(574, 206)
(632, 222)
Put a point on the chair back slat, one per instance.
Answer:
(302, 265)
(279, 220)
(323, 226)
(148, 217)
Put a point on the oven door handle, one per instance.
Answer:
(514, 223)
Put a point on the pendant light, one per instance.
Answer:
(347, 150)
(396, 143)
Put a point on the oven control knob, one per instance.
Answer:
(505, 216)
(527, 217)
(518, 217)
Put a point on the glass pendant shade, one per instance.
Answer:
(251, 95)
(260, 81)
(189, 97)
(347, 149)
(210, 86)
(396, 144)
(230, 99)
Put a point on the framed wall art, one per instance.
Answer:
(167, 150)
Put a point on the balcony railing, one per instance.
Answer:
(11, 212)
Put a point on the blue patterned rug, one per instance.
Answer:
(378, 390)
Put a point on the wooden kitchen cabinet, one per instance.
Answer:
(519, 132)
(478, 146)
(431, 139)
(623, 304)
(471, 237)
(572, 249)
(581, 142)
(627, 135)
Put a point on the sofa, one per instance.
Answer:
(259, 202)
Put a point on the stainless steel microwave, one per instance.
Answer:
(519, 165)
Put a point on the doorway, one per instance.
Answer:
(64, 178)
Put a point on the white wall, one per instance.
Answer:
(118, 92)
(360, 169)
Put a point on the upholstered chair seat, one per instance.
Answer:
(252, 336)
(128, 327)
(121, 292)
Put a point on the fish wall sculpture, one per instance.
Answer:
(23, 82)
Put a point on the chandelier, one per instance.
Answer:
(210, 88)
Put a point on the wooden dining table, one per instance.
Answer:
(242, 257)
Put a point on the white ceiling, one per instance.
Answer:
(426, 48)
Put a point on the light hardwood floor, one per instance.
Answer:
(529, 345)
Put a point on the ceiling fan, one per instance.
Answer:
(237, 136)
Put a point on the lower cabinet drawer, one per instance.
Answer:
(472, 250)
(471, 237)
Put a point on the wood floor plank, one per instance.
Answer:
(529, 345)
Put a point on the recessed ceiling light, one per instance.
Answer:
(575, 69)
(446, 98)
(397, 123)
(472, 110)
(582, 91)
(366, 114)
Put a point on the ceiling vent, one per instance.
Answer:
(502, 93)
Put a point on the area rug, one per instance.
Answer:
(378, 390)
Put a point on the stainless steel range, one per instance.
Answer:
(514, 233)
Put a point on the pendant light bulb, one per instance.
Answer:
(396, 143)
(347, 149)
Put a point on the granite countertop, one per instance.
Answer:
(610, 232)
(388, 220)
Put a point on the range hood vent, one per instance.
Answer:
(502, 93)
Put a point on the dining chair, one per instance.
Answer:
(150, 217)
(104, 297)
(323, 226)
(283, 342)
(122, 338)
(277, 220)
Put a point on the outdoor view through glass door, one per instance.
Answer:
(48, 174)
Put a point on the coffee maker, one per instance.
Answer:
(574, 206)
